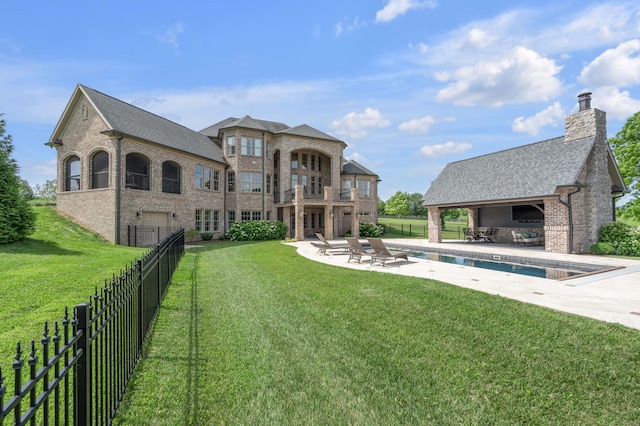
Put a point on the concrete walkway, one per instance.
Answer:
(612, 296)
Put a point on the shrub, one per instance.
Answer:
(602, 249)
(206, 236)
(614, 232)
(619, 236)
(256, 231)
(371, 230)
(191, 235)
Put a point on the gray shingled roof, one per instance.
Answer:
(352, 167)
(246, 122)
(529, 171)
(129, 120)
(310, 132)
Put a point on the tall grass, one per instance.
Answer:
(255, 334)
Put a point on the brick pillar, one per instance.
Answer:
(435, 227)
(556, 226)
(473, 217)
(299, 211)
(286, 218)
(328, 212)
(355, 214)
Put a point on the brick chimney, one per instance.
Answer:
(587, 122)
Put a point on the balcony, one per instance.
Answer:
(289, 197)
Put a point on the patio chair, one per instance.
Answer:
(470, 235)
(382, 254)
(490, 235)
(356, 250)
(325, 245)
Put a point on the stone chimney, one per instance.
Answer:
(587, 122)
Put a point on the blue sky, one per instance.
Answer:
(409, 85)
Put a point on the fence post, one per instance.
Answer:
(82, 380)
(141, 296)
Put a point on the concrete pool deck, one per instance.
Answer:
(612, 296)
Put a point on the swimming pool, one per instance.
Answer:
(541, 268)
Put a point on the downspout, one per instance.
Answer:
(568, 204)
(118, 187)
(264, 176)
(613, 206)
(225, 191)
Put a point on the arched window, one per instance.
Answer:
(170, 177)
(100, 170)
(72, 174)
(137, 172)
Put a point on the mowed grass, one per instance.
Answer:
(252, 333)
(418, 228)
(59, 266)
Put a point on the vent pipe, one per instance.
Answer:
(584, 100)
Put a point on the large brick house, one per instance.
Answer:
(563, 188)
(132, 176)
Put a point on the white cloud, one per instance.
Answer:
(420, 125)
(395, 8)
(619, 66)
(171, 35)
(356, 126)
(357, 157)
(439, 150)
(618, 105)
(544, 30)
(420, 47)
(522, 76)
(479, 38)
(552, 115)
(349, 27)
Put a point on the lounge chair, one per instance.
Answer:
(356, 250)
(382, 253)
(325, 245)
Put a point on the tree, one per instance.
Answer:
(415, 205)
(17, 218)
(626, 147)
(397, 205)
(381, 205)
(46, 191)
(25, 190)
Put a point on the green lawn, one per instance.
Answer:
(59, 266)
(418, 228)
(252, 333)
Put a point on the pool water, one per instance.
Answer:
(530, 270)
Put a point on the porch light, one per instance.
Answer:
(174, 215)
(138, 214)
(56, 143)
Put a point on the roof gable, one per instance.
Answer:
(530, 171)
(132, 121)
(309, 132)
(246, 122)
(352, 167)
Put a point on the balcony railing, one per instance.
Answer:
(290, 195)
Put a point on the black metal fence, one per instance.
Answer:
(146, 236)
(89, 359)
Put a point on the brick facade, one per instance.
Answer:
(112, 211)
(575, 213)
